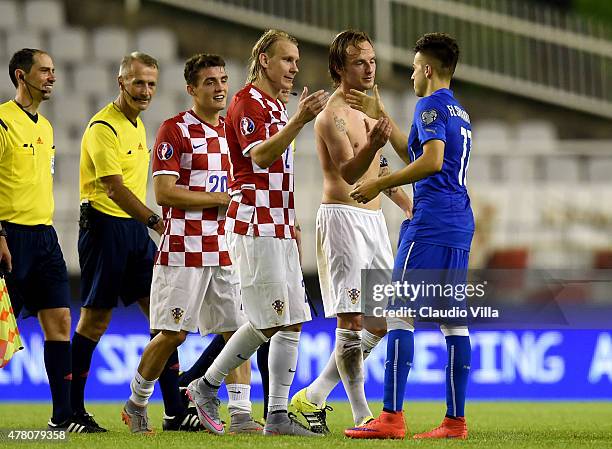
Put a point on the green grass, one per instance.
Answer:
(513, 425)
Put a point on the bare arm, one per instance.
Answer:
(168, 194)
(374, 108)
(268, 151)
(127, 201)
(352, 166)
(397, 194)
(429, 163)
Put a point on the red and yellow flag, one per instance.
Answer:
(10, 341)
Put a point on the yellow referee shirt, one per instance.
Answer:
(27, 158)
(113, 145)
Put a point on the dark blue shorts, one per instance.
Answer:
(441, 272)
(39, 279)
(116, 258)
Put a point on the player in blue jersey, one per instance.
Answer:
(437, 152)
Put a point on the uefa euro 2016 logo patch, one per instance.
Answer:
(353, 294)
(164, 151)
(247, 126)
(278, 306)
(428, 117)
(177, 314)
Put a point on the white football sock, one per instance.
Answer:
(239, 399)
(318, 391)
(239, 348)
(349, 359)
(142, 390)
(282, 363)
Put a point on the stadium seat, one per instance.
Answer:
(71, 112)
(171, 79)
(158, 42)
(93, 78)
(536, 136)
(19, 38)
(9, 14)
(44, 14)
(562, 169)
(69, 45)
(479, 169)
(236, 73)
(161, 108)
(599, 169)
(110, 44)
(490, 136)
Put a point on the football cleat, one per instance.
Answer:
(188, 422)
(450, 428)
(284, 423)
(72, 425)
(244, 423)
(207, 405)
(387, 426)
(88, 420)
(136, 418)
(315, 417)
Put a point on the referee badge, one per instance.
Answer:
(177, 313)
(278, 306)
(353, 294)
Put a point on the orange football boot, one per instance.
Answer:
(387, 425)
(450, 428)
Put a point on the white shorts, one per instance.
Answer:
(192, 298)
(350, 239)
(271, 280)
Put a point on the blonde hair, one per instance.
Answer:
(263, 45)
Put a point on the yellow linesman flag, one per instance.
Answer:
(10, 341)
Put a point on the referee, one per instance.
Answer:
(37, 279)
(115, 250)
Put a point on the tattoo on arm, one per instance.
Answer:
(384, 171)
(340, 124)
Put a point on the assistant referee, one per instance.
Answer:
(37, 279)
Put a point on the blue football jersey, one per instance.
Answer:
(442, 210)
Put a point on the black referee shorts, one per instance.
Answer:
(39, 279)
(116, 257)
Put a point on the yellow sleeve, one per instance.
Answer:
(103, 147)
(3, 141)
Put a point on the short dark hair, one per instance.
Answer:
(23, 60)
(441, 47)
(199, 62)
(337, 50)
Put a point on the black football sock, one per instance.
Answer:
(59, 372)
(82, 353)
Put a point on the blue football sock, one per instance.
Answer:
(457, 373)
(400, 352)
(169, 385)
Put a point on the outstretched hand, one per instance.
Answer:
(371, 106)
(379, 135)
(310, 105)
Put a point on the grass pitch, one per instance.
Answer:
(491, 425)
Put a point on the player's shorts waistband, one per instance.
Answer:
(26, 228)
(346, 207)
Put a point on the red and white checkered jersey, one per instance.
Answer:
(261, 198)
(197, 153)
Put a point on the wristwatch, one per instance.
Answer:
(153, 220)
(3, 233)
